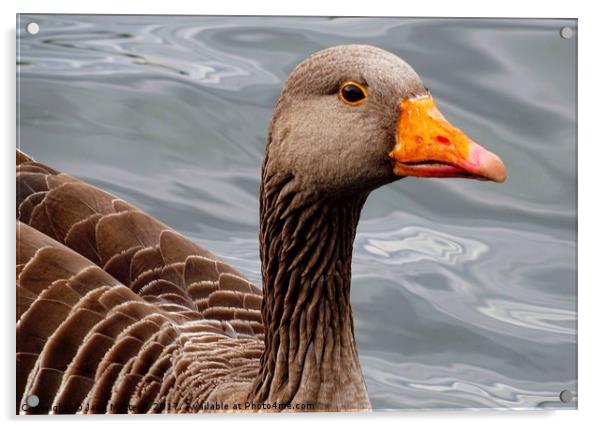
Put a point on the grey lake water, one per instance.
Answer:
(464, 292)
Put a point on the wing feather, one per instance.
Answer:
(114, 306)
(127, 244)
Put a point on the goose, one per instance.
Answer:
(118, 313)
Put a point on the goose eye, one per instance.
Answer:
(353, 93)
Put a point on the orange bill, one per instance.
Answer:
(427, 145)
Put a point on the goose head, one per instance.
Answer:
(352, 118)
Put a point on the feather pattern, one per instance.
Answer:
(118, 313)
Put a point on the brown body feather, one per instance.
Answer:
(117, 312)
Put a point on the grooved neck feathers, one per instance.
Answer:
(306, 245)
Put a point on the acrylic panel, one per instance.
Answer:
(145, 215)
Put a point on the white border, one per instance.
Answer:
(590, 158)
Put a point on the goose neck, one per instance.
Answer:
(310, 353)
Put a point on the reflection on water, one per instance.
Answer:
(464, 292)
